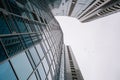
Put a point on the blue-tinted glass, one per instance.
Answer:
(34, 55)
(13, 6)
(39, 49)
(21, 25)
(27, 40)
(35, 38)
(22, 66)
(12, 44)
(6, 72)
(13, 27)
(32, 27)
(2, 53)
(28, 26)
(3, 26)
(36, 27)
(45, 65)
(41, 72)
(33, 77)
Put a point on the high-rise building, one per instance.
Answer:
(31, 43)
(72, 71)
(87, 10)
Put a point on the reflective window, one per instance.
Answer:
(32, 27)
(52, 70)
(2, 53)
(48, 56)
(37, 74)
(3, 26)
(20, 24)
(49, 76)
(33, 77)
(28, 26)
(35, 38)
(31, 59)
(45, 65)
(6, 72)
(22, 66)
(34, 55)
(13, 28)
(12, 44)
(41, 72)
(13, 6)
(43, 44)
(39, 49)
(27, 40)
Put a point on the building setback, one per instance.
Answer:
(31, 42)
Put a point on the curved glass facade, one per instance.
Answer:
(30, 41)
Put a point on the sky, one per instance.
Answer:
(96, 45)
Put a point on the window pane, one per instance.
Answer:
(39, 49)
(49, 76)
(3, 26)
(41, 72)
(20, 24)
(2, 53)
(22, 66)
(33, 77)
(6, 72)
(27, 40)
(12, 44)
(13, 6)
(34, 55)
(45, 65)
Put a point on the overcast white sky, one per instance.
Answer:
(96, 46)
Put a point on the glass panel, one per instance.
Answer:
(13, 6)
(3, 26)
(35, 38)
(33, 77)
(13, 27)
(39, 49)
(49, 76)
(27, 40)
(20, 24)
(41, 72)
(6, 72)
(32, 27)
(48, 56)
(30, 59)
(28, 26)
(45, 65)
(2, 53)
(22, 66)
(34, 55)
(12, 44)
(37, 74)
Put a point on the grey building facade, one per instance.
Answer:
(72, 71)
(87, 10)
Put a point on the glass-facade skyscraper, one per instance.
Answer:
(31, 42)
